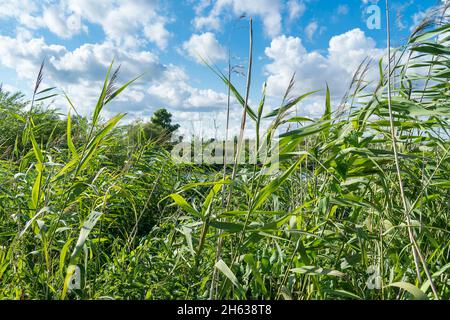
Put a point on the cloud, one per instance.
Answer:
(343, 9)
(128, 23)
(200, 6)
(61, 25)
(23, 55)
(17, 8)
(204, 46)
(313, 69)
(123, 21)
(157, 33)
(295, 9)
(269, 11)
(174, 90)
(311, 29)
(79, 72)
(87, 62)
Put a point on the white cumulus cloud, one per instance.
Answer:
(204, 46)
(295, 9)
(128, 23)
(269, 11)
(314, 69)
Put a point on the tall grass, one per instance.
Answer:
(359, 210)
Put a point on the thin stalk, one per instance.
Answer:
(244, 117)
(227, 126)
(224, 205)
(416, 252)
(244, 112)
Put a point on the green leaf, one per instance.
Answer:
(432, 48)
(430, 34)
(36, 191)
(30, 222)
(227, 226)
(222, 267)
(94, 143)
(209, 198)
(101, 99)
(180, 201)
(250, 260)
(327, 115)
(187, 232)
(289, 105)
(343, 294)
(416, 292)
(63, 253)
(70, 144)
(306, 130)
(299, 119)
(36, 149)
(45, 90)
(45, 98)
(274, 185)
(86, 229)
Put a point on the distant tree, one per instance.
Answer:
(159, 129)
(163, 118)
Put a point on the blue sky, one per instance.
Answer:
(321, 40)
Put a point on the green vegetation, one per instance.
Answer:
(160, 129)
(360, 208)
